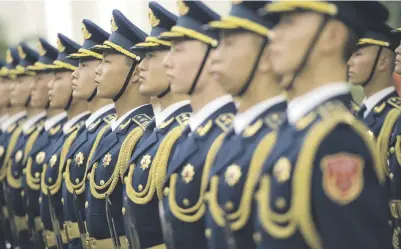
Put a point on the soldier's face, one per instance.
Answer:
(152, 75)
(182, 64)
(398, 60)
(84, 79)
(5, 92)
(39, 90)
(290, 40)
(232, 63)
(361, 63)
(111, 75)
(20, 90)
(60, 89)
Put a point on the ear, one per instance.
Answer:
(333, 37)
(385, 61)
(135, 76)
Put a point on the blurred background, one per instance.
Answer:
(26, 20)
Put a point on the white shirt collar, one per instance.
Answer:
(117, 122)
(199, 117)
(373, 100)
(94, 116)
(4, 118)
(300, 106)
(33, 120)
(163, 115)
(11, 120)
(242, 120)
(50, 122)
(71, 122)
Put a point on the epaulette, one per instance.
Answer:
(183, 119)
(76, 126)
(93, 126)
(54, 130)
(252, 129)
(30, 130)
(142, 120)
(395, 102)
(11, 128)
(274, 120)
(225, 121)
(109, 119)
(333, 109)
(204, 129)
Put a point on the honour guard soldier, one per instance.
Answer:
(248, 76)
(48, 135)
(3, 117)
(398, 54)
(151, 158)
(187, 66)
(322, 185)
(60, 96)
(81, 151)
(117, 79)
(21, 95)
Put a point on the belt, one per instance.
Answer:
(395, 207)
(50, 239)
(21, 223)
(5, 212)
(73, 232)
(93, 243)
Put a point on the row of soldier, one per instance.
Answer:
(85, 163)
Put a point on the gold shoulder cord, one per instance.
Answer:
(33, 183)
(239, 218)
(11, 145)
(157, 173)
(124, 156)
(13, 182)
(57, 185)
(385, 135)
(194, 213)
(398, 149)
(80, 187)
(303, 172)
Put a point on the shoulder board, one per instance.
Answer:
(183, 118)
(225, 121)
(275, 119)
(333, 109)
(395, 102)
(252, 129)
(166, 123)
(93, 126)
(109, 119)
(54, 130)
(30, 130)
(379, 108)
(11, 128)
(142, 120)
(203, 130)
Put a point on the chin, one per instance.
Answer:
(398, 69)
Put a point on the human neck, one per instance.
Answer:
(377, 84)
(261, 88)
(53, 112)
(15, 109)
(319, 75)
(97, 103)
(203, 96)
(129, 100)
(3, 111)
(34, 111)
(77, 107)
(171, 98)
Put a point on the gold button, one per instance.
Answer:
(64, 175)
(280, 203)
(140, 187)
(391, 175)
(229, 205)
(40, 199)
(22, 193)
(257, 237)
(62, 201)
(102, 182)
(186, 202)
(392, 150)
(208, 233)
(37, 174)
(88, 177)
(123, 211)
(86, 205)
(49, 180)
(166, 191)
(77, 180)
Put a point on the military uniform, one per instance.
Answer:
(322, 184)
(116, 148)
(85, 145)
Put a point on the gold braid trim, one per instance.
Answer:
(157, 173)
(10, 148)
(33, 183)
(195, 212)
(80, 187)
(385, 135)
(398, 149)
(57, 185)
(240, 217)
(124, 156)
(31, 140)
(303, 171)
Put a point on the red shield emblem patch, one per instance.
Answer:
(342, 177)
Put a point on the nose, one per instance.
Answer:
(167, 60)
(350, 61)
(98, 69)
(74, 75)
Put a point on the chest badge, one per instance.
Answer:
(145, 162)
(40, 157)
(233, 174)
(188, 173)
(79, 159)
(53, 160)
(106, 160)
(282, 170)
(18, 156)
